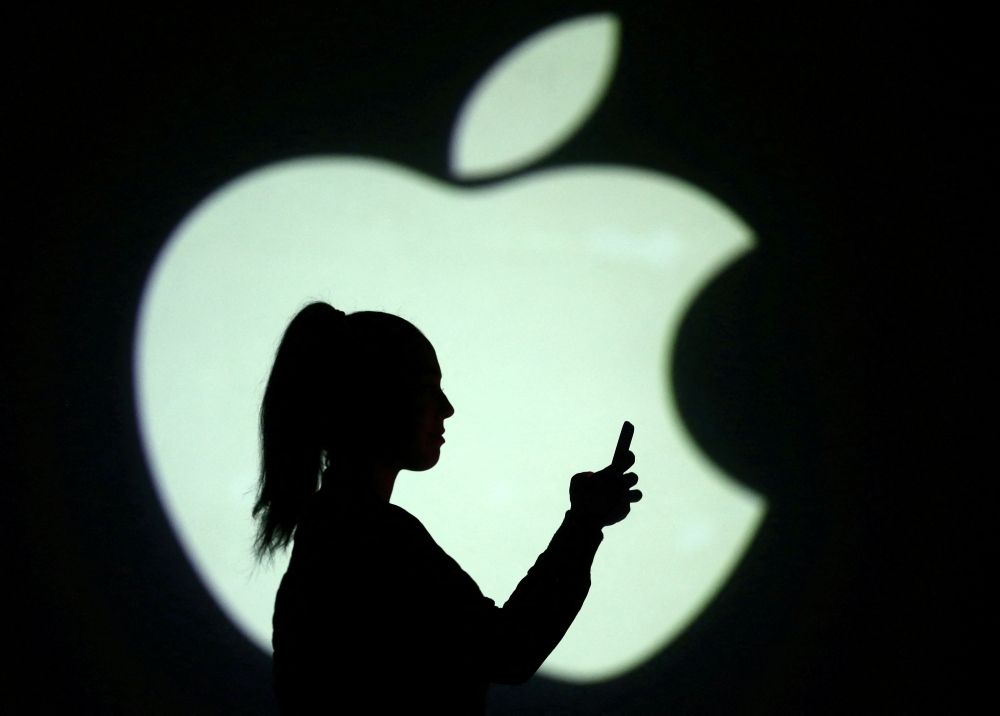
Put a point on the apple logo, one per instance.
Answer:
(553, 298)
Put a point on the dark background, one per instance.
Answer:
(834, 368)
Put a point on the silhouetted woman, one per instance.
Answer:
(372, 616)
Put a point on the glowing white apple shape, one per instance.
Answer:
(552, 299)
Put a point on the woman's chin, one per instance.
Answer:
(432, 460)
(426, 461)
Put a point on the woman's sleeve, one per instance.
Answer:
(521, 634)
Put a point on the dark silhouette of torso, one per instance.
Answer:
(373, 616)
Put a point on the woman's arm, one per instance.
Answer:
(522, 634)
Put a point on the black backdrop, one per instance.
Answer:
(824, 369)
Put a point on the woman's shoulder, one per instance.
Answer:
(404, 519)
(355, 519)
(401, 532)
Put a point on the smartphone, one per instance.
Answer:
(624, 441)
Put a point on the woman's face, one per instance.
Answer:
(430, 408)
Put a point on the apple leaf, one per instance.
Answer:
(534, 97)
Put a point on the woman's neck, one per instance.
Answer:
(383, 480)
(374, 478)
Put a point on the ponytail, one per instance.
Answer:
(295, 423)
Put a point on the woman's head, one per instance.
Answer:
(353, 391)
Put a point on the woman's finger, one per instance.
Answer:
(634, 495)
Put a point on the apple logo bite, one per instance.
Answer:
(553, 298)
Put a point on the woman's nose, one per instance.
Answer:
(449, 409)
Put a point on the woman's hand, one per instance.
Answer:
(604, 498)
